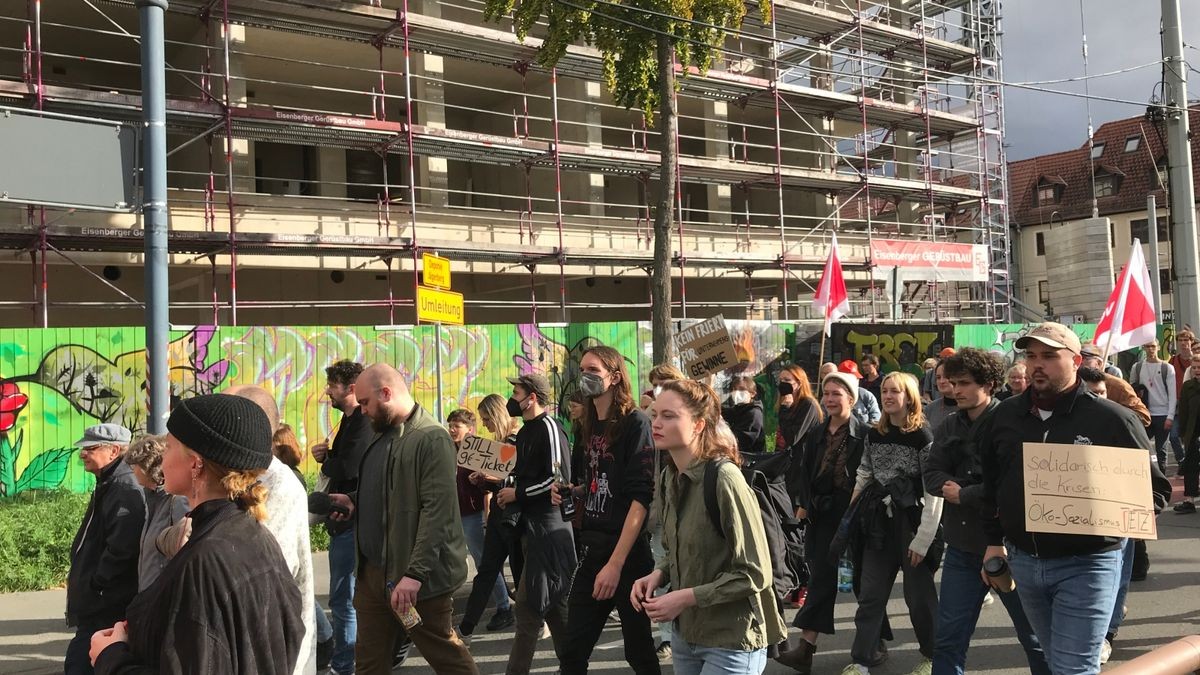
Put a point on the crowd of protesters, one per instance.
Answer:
(193, 555)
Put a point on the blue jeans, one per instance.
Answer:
(1126, 573)
(959, 602)
(1158, 438)
(690, 659)
(473, 529)
(324, 628)
(1069, 603)
(341, 600)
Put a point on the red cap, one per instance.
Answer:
(849, 367)
(946, 353)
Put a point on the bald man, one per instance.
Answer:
(287, 519)
(409, 538)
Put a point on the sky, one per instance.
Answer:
(1042, 41)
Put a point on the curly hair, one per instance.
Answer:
(704, 404)
(344, 372)
(983, 367)
(912, 396)
(146, 454)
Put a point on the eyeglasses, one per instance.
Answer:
(94, 448)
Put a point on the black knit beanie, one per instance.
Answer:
(229, 430)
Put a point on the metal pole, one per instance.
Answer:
(1183, 195)
(437, 360)
(154, 209)
(1155, 280)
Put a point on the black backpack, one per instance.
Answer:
(766, 473)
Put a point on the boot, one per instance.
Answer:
(799, 658)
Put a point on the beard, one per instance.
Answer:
(385, 421)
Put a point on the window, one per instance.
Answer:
(1164, 281)
(1043, 292)
(1106, 184)
(1139, 231)
(1047, 194)
(1097, 150)
(1039, 243)
(1131, 143)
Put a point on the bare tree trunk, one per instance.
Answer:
(660, 276)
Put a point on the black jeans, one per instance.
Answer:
(77, 661)
(879, 568)
(500, 541)
(586, 616)
(1191, 469)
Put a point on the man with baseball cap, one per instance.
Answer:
(1067, 582)
(104, 556)
(543, 465)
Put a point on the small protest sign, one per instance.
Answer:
(706, 348)
(1088, 489)
(491, 457)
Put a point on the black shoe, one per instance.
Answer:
(401, 653)
(1185, 507)
(324, 654)
(879, 657)
(800, 658)
(503, 618)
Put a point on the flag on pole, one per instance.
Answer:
(831, 298)
(1129, 319)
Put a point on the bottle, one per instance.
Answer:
(567, 507)
(410, 619)
(845, 575)
(997, 570)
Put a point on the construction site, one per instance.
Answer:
(316, 149)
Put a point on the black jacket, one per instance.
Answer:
(796, 420)
(1079, 416)
(226, 603)
(104, 556)
(746, 422)
(346, 452)
(541, 445)
(615, 473)
(955, 457)
(807, 456)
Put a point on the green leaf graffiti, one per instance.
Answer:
(46, 471)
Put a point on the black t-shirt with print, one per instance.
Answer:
(616, 473)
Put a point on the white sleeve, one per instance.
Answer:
(865, 473)
(1172, 395)
(931, 515)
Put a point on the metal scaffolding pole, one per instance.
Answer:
(154, 210)
(1183, 194)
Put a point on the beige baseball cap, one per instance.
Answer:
(1052, 334)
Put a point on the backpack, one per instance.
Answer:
(766, 475)
(1142, 390)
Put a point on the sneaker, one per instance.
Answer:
(614, 617)
(503, 618)
(545, 630)
(1187, 506)
(855, 669)
(401, 653)
(663, 652)
(1105, 652)
(464, 637)
(988, 599)
(925, 667)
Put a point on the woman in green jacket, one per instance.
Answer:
(721, 602)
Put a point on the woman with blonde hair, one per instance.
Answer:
(796, 406)
(721, 598)
(230, 575)
(899, 521)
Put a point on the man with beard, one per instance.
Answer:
(410, 543)
(1067, 582)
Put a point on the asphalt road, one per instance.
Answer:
(1166, 606)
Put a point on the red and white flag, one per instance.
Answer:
(1129, 319)
(831, 298)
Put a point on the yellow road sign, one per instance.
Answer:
(435, 270)
(435, 305)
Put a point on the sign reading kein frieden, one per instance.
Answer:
(490, 457)
(706, 348)
(1088, 489)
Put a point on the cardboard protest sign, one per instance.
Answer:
(491, 457)
(706, 348)
(1088, 489)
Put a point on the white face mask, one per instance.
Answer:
(739, 397)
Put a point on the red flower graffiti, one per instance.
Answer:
(11, 403)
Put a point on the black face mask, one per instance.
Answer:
(514, 407)
(786, 389)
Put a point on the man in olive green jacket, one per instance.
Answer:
(411, 549)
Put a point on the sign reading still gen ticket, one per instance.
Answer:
(1088, 489)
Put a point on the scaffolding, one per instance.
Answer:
(866, 117)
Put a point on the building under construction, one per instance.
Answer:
(317, 148)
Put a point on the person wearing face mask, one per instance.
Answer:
(797, 408)
(744, 413)
(546, 538)
(615, 452)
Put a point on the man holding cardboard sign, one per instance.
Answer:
(1067, 576)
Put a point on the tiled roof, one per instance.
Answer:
(1071, 171)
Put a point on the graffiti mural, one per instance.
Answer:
(56, 382)
(900, 347)
(1000, 337)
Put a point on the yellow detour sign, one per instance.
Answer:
(435, 271)
(435, 306)
(1088, 489)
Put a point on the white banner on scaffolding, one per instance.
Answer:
(929, 261)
